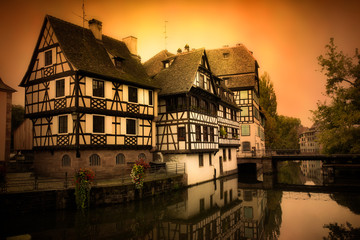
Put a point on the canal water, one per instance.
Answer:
(236, 207)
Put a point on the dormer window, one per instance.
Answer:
(118, 62)
(166, 64)
(226, 55)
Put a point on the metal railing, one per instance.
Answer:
(30, 182)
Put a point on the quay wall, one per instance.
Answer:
(39, 201)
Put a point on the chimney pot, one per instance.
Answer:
(96, 28)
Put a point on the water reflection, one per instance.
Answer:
(222, 209)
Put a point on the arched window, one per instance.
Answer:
(94, 160)
(142, 156)
(66, 161)
(120, 159)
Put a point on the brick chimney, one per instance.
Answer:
(131, 43)
(96, 28)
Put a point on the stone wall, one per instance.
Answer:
(37, 201)
(47, 163)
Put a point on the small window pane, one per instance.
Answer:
(246, 146)
(244, 94)
(244, 111)
(63, 124)
(60, 88)
(130, 126)
(48, 57)
(198, 133)
(94, 160)
(98, 124)
(245, 130)
(133, 94)
(181, 134)
(201, 160)
(150, 98)
(98, 88)
(142, 156)
(120, 159)
(66, 161)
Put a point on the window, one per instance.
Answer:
(201, 160)
(229, 151)
(181, 134)
(246, 146)
(198, 133)
(211, 134)
(245, 130)
(118, 62)
(170, 104)
(201, 80)
(226, 55)
(98, 88)
(60, 88)
(224, 112)
(248, 212)
(142, 156)
(63, 124)
(94, 160)
(244, 111)
(98, 124)
(130, 126)
(202, 207)
(224, 154)
(150, 97)
(48, 58)
(120, 159)
(205, 133)
(244, 94)
(210, 159)
(66, 161)
(212, 109)
(133, 96)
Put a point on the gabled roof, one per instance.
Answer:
(239, 60)
(155, 64)
(5, 88)
(179, 76)
(90, 55)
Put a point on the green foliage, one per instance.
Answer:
(273, 217)
(339, 120)
(17, 117)
(347, 232)
(281, 132)
(83, 179)
(223, 132)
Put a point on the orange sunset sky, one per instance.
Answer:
(285, 36)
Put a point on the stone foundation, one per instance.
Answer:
(47, 163)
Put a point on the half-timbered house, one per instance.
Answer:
(239, 70)
(187, 127)
(89, 99)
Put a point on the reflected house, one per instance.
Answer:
(313, 171)
(90, 100)
(197, 115)
(252, 213)
(209, 211)
(239, 69)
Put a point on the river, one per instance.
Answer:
(230, 208)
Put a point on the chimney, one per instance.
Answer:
(96, 28)
(131, 43)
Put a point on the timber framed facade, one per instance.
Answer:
(239, 70)
(86, 95)
(188, 127)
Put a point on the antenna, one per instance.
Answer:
(165, 37)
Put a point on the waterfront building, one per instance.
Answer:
(239, 69)
(90, 100)
(308, 141)
(195, 111)
(5, 121)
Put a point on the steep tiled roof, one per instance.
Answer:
(88, 54)
(238, 60)
(5, 88)
(179, 77)
(154, 64)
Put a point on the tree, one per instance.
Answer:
(281, 132)
(339, 120)
(17, 117)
